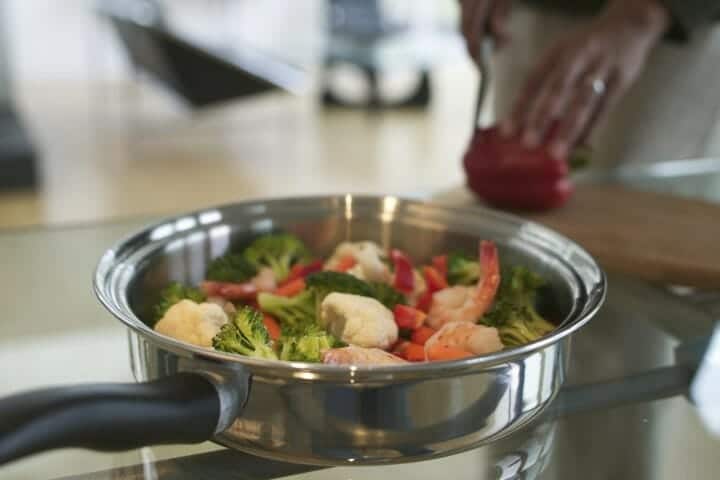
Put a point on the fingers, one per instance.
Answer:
(470, 11)
(478, 28)
(586, 107)
(551, 100)
(499, 17)
(515, 122)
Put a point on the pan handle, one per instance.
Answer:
(644, 387)
(182, 408)
(647, 386)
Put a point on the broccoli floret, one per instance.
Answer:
(172, 294)
(278, 251)
(514, 313)
(232, 267)
(295, 314)
(307, 347)
(327, 282)
(462, 270)
(387, 295)
(245, 335)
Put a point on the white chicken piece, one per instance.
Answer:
(192, 323)
(357, 320)
(368, 255)
(360, 356)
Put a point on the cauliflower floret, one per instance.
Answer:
(369, 258)
(357, 320)
(192, 323)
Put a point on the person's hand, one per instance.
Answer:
(483, 17)
(584, 74)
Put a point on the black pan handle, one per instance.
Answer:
(182, 408)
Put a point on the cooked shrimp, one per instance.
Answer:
(468, 304)
(462, 339)
(360, 356)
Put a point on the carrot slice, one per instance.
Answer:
(422, 334)
(272, 327)
(414, 353)
(291, 289)
(345, 263)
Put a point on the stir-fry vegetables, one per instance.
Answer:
(245, 334)
(362, 306)
(172, 294)
(514, 313)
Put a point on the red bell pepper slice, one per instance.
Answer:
(302, 270)
(408, 317)
(434, 280)
(404, 273)
(440, 264)
(230, 291)
(425, 301)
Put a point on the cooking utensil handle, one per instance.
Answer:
(483, 63)
(183, 408)
(648, 386)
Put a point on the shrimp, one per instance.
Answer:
(468, 304)
(360, 356)
(462, 339)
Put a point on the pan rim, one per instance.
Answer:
(106, 274)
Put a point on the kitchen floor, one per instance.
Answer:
(114, 146)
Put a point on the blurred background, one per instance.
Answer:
(140, 107)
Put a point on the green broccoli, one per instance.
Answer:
(295, 314)
(231, 267)
(327, 282)
(514, 313)
(307, 347)
(277, 251)
(172, 294)
(462, 269)
(387, 295)
(245, 335)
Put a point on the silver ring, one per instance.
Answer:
(598, 86)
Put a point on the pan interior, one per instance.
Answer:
(182, 248)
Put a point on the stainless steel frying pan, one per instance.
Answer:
(310, 413)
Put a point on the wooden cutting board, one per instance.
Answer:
(655, 237)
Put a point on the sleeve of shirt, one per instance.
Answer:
(688, 15)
